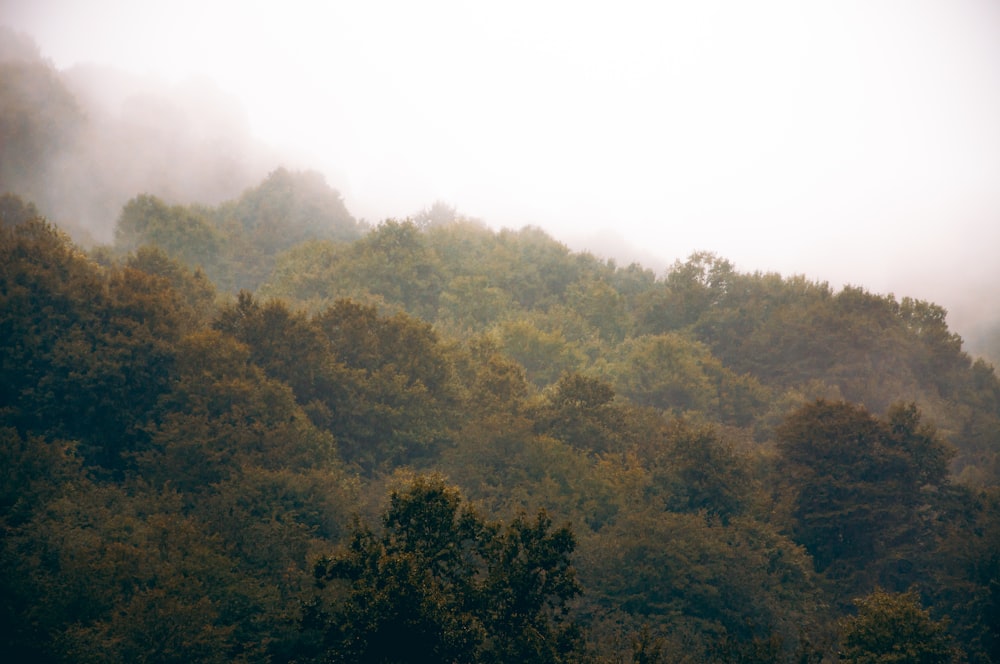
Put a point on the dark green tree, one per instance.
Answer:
(86, 352)
(440, 583)
(696, 470)
(581, 412)
(688, 574)
(194, 287)
(401, 405)
(857, 481)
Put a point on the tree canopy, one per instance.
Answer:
(259, 430)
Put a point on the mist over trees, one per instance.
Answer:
(251, 428)
(79, 143)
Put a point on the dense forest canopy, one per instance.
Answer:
(256, 429)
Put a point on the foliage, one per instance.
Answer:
(381, 385)
(859, 484)
(668, 372)
(237, 242)
(39, 122)
(697, 470)
(442, 583)
(14, 211)
(686, 573)
(893, 627)
(735, 456)
(580, 412)
(86, 354)
(180, 232)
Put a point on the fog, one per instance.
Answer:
(82, 141)
(852, 142)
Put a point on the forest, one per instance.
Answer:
(257, 429)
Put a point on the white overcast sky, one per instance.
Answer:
(855, 141)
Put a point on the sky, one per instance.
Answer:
(853, 142)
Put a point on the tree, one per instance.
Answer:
(441, 583)
(858, 481)
(289, 207)
(941, 361)
(438, 214)
(529, 580)
(396, 261)
(115, 573)
(686, 573)
(183, 233)
(544, 354)
(689, 290)
(580, 412)
(601, 306)
(894, 628)
(399, 387)
(533, 267)
(472, 303)
(85, 353)
(306, 274)
(14, 211)
(193, 286)
(700, 471)
(668, 371)
(40, 121)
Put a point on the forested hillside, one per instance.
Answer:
(259, 430)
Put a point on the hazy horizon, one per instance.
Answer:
(856, 143)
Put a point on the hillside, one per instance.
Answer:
(256, 429)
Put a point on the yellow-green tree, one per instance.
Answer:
(893, 628)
